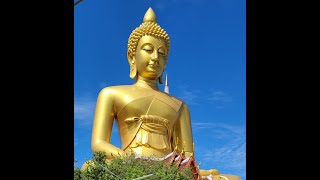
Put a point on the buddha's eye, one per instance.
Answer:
(148, 48)
(162, 52)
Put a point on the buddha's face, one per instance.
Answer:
(150, 57)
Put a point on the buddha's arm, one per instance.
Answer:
(183, 131)
(102, 125)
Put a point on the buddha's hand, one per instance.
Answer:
(209, 172)
(118, 152)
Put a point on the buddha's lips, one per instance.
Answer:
(153, 65)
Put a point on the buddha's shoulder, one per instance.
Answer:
(171, 97)
(128, 90)
(113, 90)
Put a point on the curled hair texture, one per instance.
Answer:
(147, 28)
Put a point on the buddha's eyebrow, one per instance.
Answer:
(162, 47)
(146, 44)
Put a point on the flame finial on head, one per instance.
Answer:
(150, 16)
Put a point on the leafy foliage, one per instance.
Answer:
(128, 168)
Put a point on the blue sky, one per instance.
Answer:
(206, 69)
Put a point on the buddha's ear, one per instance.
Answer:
(133, 68)
(131, 61)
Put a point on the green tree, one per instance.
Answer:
(128, 168)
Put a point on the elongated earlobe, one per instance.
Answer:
(133, 68)
(133, 71)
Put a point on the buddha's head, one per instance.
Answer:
(148, 49)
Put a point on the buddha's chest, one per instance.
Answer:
(157, 104)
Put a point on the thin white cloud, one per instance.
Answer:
(188, 96)
(229, 155)
(220, 98)
(193, 97)
(84, 107)
(238, 130)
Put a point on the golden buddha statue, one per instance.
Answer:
(150, 121)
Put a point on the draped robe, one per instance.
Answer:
(148, 119)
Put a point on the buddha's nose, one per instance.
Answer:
(154, 56)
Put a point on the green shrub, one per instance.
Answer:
(128, 168)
